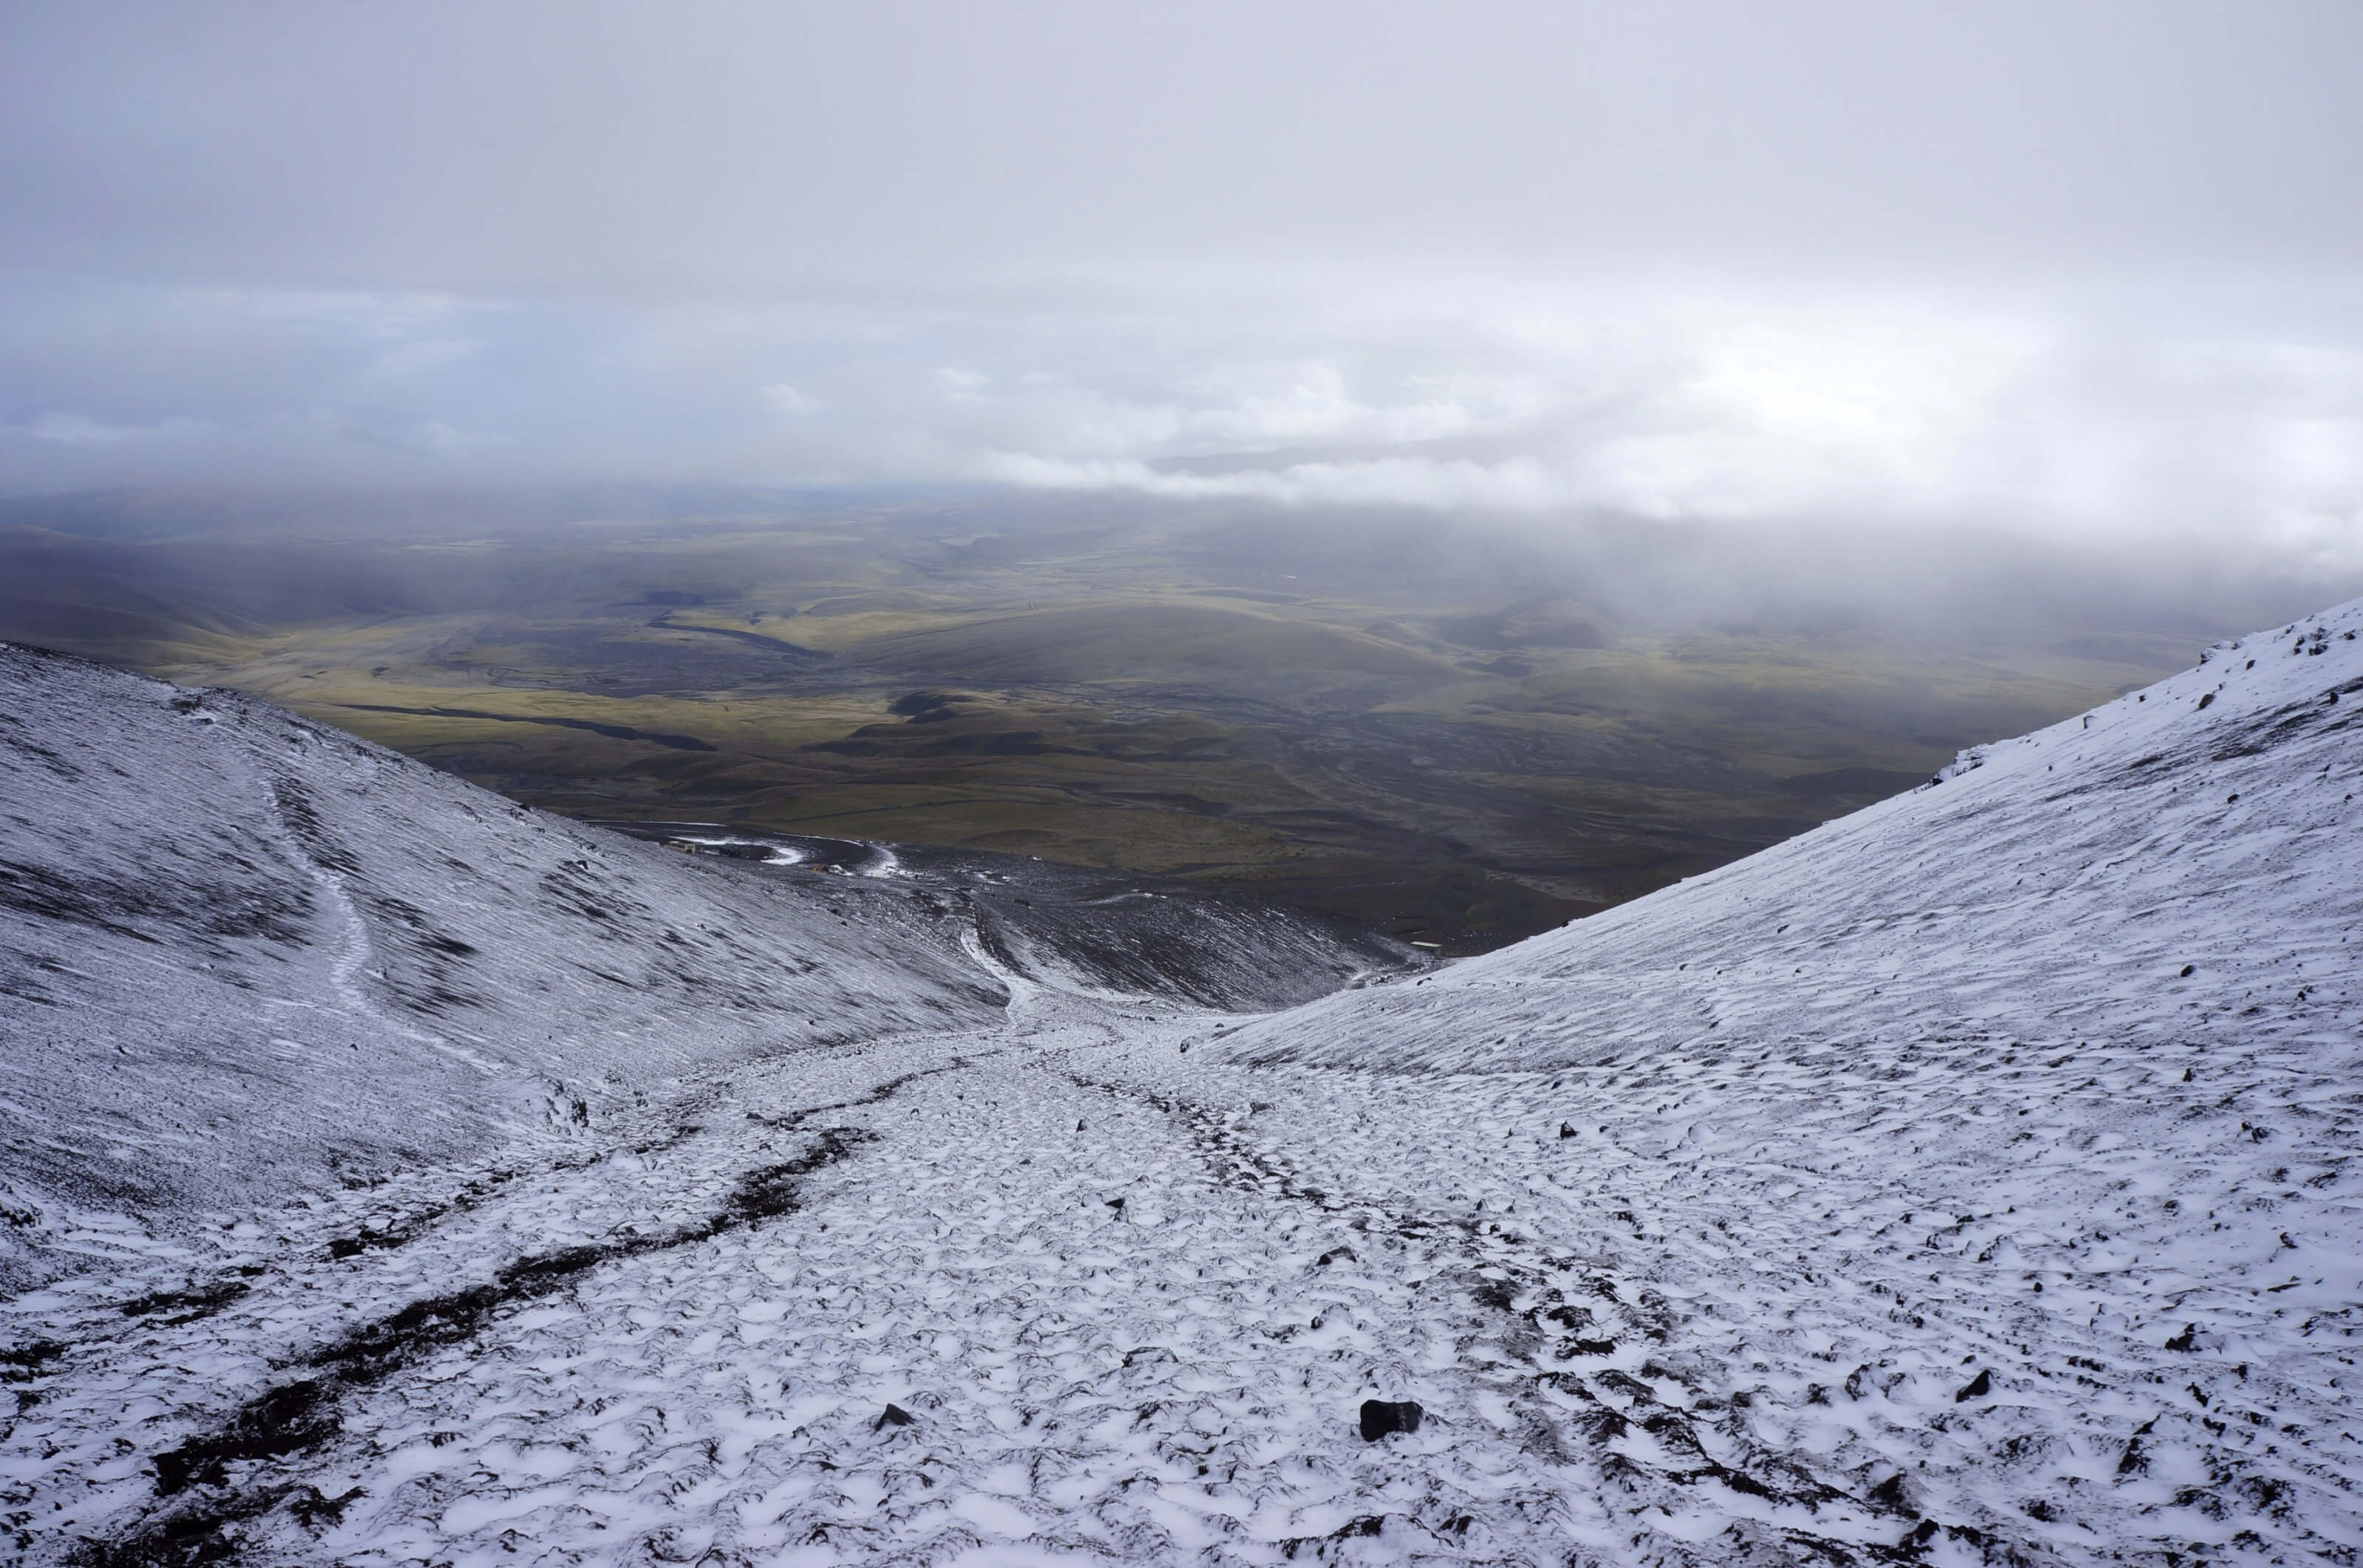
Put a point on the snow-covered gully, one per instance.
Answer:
(1131, 1302)
(1554, 1364)
(1972, 1180)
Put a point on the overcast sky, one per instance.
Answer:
(2069, 269)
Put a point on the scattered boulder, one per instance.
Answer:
(893, 1416)
(1896, 1493)
(316, 1509)
(1977, 1387)
(1382, 1417)
(2135, 1459)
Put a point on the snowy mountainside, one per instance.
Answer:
(2185, 863)
(1085, 929)
(1987, 1157)
(243, 953)
(1953, 1224)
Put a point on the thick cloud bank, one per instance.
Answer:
(1913, 414)
(2086, 275)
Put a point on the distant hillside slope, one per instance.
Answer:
(2184, 863)
(242, 953)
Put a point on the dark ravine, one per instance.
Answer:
(613, 732)
(797, 654)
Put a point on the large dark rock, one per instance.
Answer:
(1382, 1417)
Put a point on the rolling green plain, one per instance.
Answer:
(1400, 729)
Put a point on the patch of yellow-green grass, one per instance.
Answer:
(1133, 698)
(114, 634)
(1144, 640)
(1791, 710)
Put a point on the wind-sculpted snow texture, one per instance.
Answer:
(1990, 1236)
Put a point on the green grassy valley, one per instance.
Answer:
(1464, 750)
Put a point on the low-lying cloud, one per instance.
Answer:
(1918, 419)
(1914, 415)
(2077, 272)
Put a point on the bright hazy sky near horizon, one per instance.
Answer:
(2089, 271)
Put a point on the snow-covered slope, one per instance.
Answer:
(241, 953)
(2002, 1137)
(2185, 864)
(1971, 1181)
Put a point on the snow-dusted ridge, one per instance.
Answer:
(2038, 888)
(1972, 1180)
(243, 955)
(2003, 1135)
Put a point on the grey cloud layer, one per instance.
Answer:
(2089, 268)
(579, 146)
(1913, 413)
